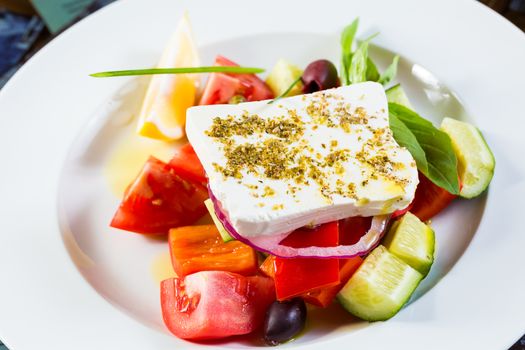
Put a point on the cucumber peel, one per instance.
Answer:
(476, 162)
(412, 241)
(380, 286)
(222, 231)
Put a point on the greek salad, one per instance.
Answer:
(321, 183)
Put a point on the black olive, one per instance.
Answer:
(284, 320)
(319, 75)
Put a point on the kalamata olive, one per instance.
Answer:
(284, 319)
(319, 75)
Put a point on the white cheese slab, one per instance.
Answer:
(375, 175)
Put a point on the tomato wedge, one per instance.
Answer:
(201, 248)
(222, 87)
(430, 199)
(215, 304)
(187, 165)
(159, 199)
(297, 276)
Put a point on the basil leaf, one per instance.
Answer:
(441, 161)
(347, 39)
(390, 73)
(406, 138)
(358, 64)
(372, 73)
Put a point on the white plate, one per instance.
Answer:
(53, 275)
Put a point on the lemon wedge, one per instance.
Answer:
(163, 112)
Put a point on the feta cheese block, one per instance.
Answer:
(303, 160)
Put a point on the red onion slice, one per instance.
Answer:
(271, 244)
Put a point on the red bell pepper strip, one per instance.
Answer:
(323, 297)
(268, 266)
(350, 231)
(430, 199)
(201, 248)
(297, 276)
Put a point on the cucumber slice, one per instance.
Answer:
(475, 159)
(396, 94)
(412, 241)
(222, 231)
(379, 287)
(282, 76)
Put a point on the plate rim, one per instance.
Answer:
(62, 39)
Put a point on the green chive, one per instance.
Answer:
(185, 70)
(286, 91)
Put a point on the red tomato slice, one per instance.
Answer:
(221, 87)
(297, 276)
(256, 89)
(430, 199)
(215, 304)
(158, 200)
(187, 165)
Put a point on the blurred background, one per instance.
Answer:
(27, 25)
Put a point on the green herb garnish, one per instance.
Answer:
(358, 65)
(389, 73)
(430, 147)
(347, 40)
(372, 73)
(286, 91)
(184, 70)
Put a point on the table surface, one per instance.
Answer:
(513, 10)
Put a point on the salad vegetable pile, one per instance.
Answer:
(321, 193)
